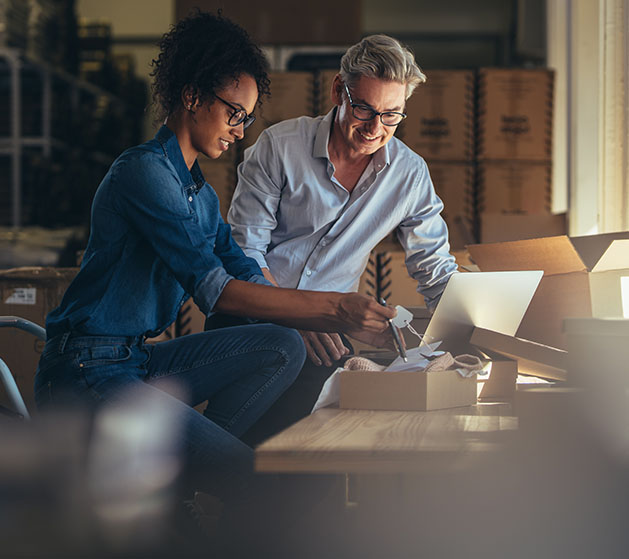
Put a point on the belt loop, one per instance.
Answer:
(64, 341)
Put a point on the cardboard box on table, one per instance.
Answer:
(581, 279)
(409, 390)
(500, 383)
(29, 293)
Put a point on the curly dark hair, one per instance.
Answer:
(204, 52)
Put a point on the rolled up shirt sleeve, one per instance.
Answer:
(424, 237)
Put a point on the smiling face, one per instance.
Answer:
(209, 131)
(366, 137)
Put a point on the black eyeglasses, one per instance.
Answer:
(364, 112)
(239, 116)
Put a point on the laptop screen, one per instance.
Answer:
(492, 300)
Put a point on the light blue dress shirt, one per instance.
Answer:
(291, 214)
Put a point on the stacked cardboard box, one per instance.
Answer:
(323, 86)
(29, 293)
(513, 149)
(440, 127)
(292, 95)
(221, 175)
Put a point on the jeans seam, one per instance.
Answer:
(170, 372)
(258, 392)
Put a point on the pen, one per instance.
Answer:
(396, 336)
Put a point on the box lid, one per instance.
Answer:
(37, 273)
(555, 255)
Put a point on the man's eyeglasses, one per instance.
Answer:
(364, 112)
(239, 116)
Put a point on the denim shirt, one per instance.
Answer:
(156, 238)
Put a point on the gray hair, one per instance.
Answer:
(381, 56)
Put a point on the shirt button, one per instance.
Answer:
(308, 272)
(189, 198)
(324, 242)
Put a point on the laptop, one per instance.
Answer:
(492, 300)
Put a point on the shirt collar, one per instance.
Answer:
(322, 138)
(167, 139)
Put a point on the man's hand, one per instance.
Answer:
(323, 348)
(358, 312)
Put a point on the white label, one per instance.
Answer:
(402, 318)
(22, 296)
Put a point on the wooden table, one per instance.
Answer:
(364, 441)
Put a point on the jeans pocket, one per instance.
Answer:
(99, 363)
(98, 356)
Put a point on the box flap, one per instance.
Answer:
(554, 255)
(592, 247)
(616, 257)
(533, 358)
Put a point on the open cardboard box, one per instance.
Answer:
(409, 390)
(581, 278)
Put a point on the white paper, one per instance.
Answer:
(330, 393)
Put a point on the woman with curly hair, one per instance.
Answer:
(156, 239)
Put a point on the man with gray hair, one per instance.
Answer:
(316, 195)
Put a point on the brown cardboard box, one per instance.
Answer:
(29, 293)
(454, 184)
(292, 95)
(499, 385)
(515, 114)
(581, 278)
(221, 175)
(324, 79)
(190, 319)
(495, 228)
(410, 390)
(532, 358)
(394, 283)
(514, 186)
(440, 121)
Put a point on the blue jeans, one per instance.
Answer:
(241, 371)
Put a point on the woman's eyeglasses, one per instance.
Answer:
(239, 116)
